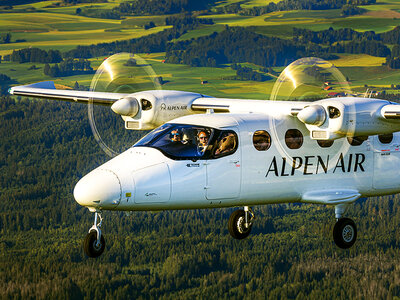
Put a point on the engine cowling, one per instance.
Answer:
(349, 116)
(150, 109)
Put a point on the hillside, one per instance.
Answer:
(46, 147)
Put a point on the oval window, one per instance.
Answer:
(293, 139)
(385, 138)
(356, 140)
(325, 143)
(261, 140)
(226, 144)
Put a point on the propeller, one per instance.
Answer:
(124, 73)
(313, 80)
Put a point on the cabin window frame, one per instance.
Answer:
(259, 147)
(294, 145)
(356, 141)
(383, 136)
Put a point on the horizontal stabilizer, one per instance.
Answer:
(331, 197)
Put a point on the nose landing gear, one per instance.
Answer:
(240, 223)
(94, 242)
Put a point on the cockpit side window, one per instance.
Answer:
(179, 141)
(225, 144)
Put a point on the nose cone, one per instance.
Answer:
(312, 115)
(128, 106)
(100, 188)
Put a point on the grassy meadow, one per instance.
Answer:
(49, 26)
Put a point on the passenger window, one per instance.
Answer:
(356, 140)
(226, 144)
(385, 138)
(261, 140)
(325, 143)
(293, 139)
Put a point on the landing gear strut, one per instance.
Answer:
(94, 243)
(240, 223)
(345, 230)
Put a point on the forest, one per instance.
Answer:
(153, 7)
(331, 35)
(238, 44)
(47, 146)
(68, 67)
(233, 45)
(301, 5)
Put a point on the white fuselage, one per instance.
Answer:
(143, 178)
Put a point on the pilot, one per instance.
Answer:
(175, 136)
(203, 141)
(226, 144)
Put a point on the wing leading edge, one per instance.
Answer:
(47, 90)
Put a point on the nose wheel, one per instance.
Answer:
(94, 242)
(240, 223)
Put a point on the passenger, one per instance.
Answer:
(175, 136)
(226, 144)
(203, 141)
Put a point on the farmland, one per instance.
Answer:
(47, 146)
(48, 26)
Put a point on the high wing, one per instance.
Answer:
(47, 90)
(326, 119)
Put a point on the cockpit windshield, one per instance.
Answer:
(180, 141)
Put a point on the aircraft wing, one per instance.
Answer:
(331, 197)
(48, 90)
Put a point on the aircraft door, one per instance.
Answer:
(224, 167)
(386, 162)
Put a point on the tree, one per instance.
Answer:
(54, 71)
(6, 38)
(46, 69)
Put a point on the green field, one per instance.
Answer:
(47, 146)
(63, 30)
(50, 27)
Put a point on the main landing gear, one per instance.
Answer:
(240, 223)
(345, 230)
(94, 243)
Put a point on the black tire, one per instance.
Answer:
(345, 233)
(89, 245)
(236, 225)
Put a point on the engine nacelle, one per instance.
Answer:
(150, 109)
(339, 117)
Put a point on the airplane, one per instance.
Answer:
(207, 152)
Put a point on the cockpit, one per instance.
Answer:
(181, 141)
